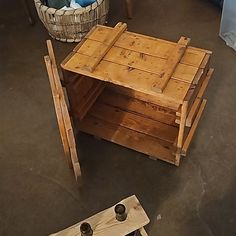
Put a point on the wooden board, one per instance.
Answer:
(105, 223)
(195, 106)
(136, 106)
(137, 60)
(193, 128)
(171, 63)
(140, 142)
(61, 108)
(140, 63)
(134, 122)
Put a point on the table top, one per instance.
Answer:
(156, 67)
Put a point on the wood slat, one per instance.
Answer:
(171, 64)
(149, 45)
(145, 109)
(194, 108)
(134, 122)
(193, 128)
(131, 139)
(162, 101)
(136, 60)
(101, 51)
(137, 80)
(105, 224)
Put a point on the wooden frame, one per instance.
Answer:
(105, 223)
(62, 114)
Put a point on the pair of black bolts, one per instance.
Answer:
(121, 215)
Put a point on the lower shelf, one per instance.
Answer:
(129, 138)
(134, 125)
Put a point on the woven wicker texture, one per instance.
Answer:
(72, 25)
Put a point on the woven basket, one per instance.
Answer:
(72, 25)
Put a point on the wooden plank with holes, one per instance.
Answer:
(104, 223)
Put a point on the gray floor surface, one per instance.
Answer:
(38, 193)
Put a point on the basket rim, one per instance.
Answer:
(90, 7)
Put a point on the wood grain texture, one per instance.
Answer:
(140, 142)
(137, 106)
(134, 122)
(105, 224)
(171, 64)
(193, 128)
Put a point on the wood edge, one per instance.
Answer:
(193, 128)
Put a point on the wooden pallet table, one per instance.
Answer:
(138, 91)
(105, 223)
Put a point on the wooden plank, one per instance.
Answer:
(181, 131)
(105, 224)
(58, 111)
(136, 60)
(137, 80)
(64, 112)
(142, 108)
(83, 92)
(193, 128)
(128, 138)
(134, 122)
(107, 44)
(172, 63)
(149, 46)
(162, 101)
(194, 108)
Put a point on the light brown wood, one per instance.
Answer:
(181, 131)
(58, 111)
(171, 64)
(61, 102)
(132, 139)
(134, 122)
(100, 52)
(136, 60)
(193, 128)
(105, 224)
(136, 106)
(194, 108)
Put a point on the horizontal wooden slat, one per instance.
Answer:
(128, 138)
(132, 78)
(149, 46)
(173, 105)
(147, 63)
(134, 122)
(130, 104)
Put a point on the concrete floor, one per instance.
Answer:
(38, 193)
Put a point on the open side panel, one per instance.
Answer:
(82, 92)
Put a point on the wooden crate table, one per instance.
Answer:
(105, 223)
(138, 91)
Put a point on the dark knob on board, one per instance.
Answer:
(85, 229)
(120, 212)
